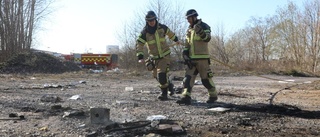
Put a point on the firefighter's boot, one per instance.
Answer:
(186, 100)
(213, 96)
(164, 94)
(171, 89)
(212, 99)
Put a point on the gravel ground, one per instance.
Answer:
(42, 105)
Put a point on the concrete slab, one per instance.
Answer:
(100, 115)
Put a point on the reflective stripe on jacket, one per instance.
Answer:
(156, 43)
(198, 47)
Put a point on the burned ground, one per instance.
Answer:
(45, 104)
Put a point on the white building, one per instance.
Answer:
(112, 49)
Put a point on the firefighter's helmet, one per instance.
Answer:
(191, 13)
(151, 16)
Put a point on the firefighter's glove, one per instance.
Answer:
(199, 31)
(209, 73)
(185, 52)
(186, 58)
(149, 64)
(187, 61)
(185, 55)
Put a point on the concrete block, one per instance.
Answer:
(100, 115)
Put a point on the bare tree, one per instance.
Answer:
(262, 32)
(290, 30)
(127, 58)
(18, 22)
(236, 48)
(311, 27)
(217, 45)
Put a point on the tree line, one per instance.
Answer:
(288, 40)
(285, 41)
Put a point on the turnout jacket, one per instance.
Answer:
(155, 40)
(197, 47)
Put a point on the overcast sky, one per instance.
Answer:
(90, 25)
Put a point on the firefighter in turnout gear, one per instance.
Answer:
(196, 56)
(153, 36)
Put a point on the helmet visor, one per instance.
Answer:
(150, 18)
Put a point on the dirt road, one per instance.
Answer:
(59, 105)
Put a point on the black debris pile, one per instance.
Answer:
(37, 62)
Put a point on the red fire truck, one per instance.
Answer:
(94, 61)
